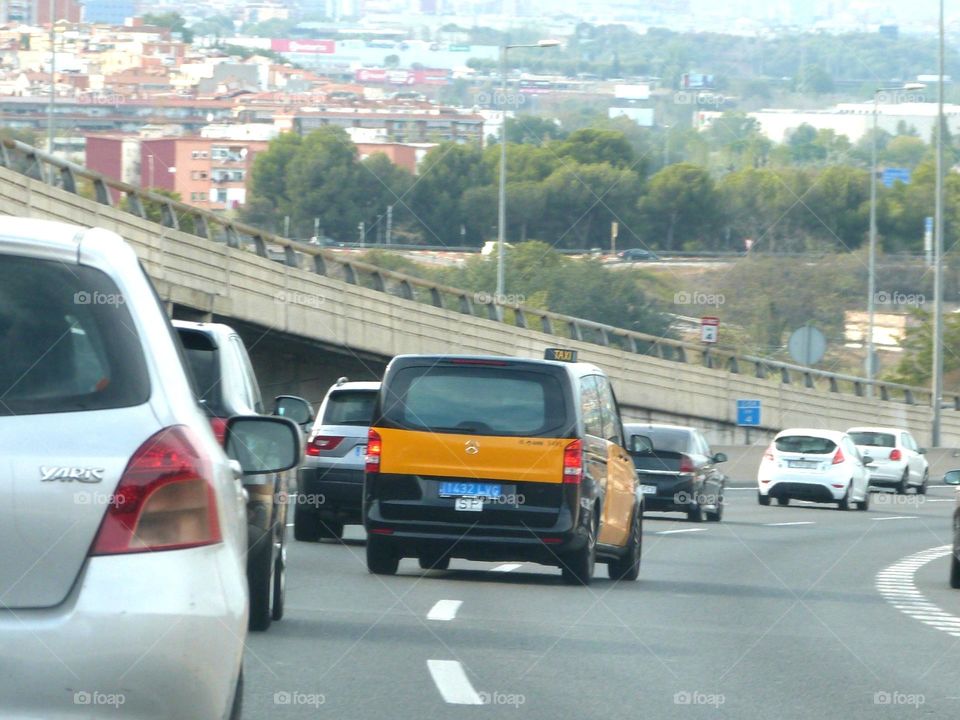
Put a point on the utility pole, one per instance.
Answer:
(389, 223)
(938, 258)
(53, 76)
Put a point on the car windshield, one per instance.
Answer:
(67, 341)
(478, 400)
(200, 351)
(874, 439)
(806, 444)
(350, 407)
(667, 439)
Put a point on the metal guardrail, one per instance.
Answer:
(176, 215)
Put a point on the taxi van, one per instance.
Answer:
(500, 458)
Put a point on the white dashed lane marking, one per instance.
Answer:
(896, 584)
(444, 610)
(507, 567)
(453, 683)
(685, 530)
(896, 517)
(784, 524)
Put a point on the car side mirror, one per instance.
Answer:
(263, 444)
(640, 444)
(293, 407)
(922, 451)
(720, 457)
(867, 459)
(952, 477)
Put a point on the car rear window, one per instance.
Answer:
(350, 407)
(667, 439)
(874, 439)
(806, 444)
(200, 352)
(472, 399)
(67, 341)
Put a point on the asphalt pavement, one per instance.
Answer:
(777, 612)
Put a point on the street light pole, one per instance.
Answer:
(937, 370)
(53, 77)
(502, 194)
(872, 262)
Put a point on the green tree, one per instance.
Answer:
(446, 172)
(173, 21)
(904, 151)
(590, 146)
(804, 146)
(916, 366)
(681, 208)
(532, 129)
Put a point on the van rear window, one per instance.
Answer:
(67, 341)
(806, 444)
(477, 400)
(350, 407)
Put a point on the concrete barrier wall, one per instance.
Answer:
(238, 284)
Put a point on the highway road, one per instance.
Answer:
(796, 612)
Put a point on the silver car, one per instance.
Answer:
(330, 483)
(898, 462)
(122, 521)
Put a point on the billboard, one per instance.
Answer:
(323, 47)
(382, 76)
(632, 92)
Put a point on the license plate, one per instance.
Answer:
(360, 451)
(469, 504)
(470, 489)
(803, 464)
(648, 489)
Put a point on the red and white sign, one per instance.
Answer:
(709, 329)
(324, 47)
(424, 76)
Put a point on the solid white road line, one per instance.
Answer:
(685, 530)
(506, 567)
(444, 610)
(801, 522)
(896, 517)
(453, 683)
(896, 584)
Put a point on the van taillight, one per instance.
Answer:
(895, 454)
(573, 462)
(219, 426)
(165, 499)
(374, 450)
(686, 464)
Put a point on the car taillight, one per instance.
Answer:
(838, 457)
(322, 443)
(374, 450)
(219, 426)
(895, 454)
(573, 462)
(768, 455)
(686, 464)
(165, 499)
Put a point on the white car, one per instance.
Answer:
(122, 521)
(816, 465)
(898, 461)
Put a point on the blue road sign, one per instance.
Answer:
(892, 175)
(748, 413)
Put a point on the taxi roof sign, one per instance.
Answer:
(560, 355)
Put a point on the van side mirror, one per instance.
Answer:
(867, 459)
(263, 444)
(293, 407)
(952, 477)
(640, 444)
(719, 457)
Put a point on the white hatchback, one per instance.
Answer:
(898, 461)
(815, 465)
(123, 524)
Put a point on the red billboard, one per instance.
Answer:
(320, 47)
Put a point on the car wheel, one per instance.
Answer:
(628, 567)
(382, 557)
(236, 709)
(306, 525)
(279, 583)
(695, 512)
(260, 577)
(432, 561)
(763, 499)
(864, 505)
(955, 569)
(904, 483)
(922, 490)
(330, 529)
(844, 503)
(783, 501)
(717, 514)
(577, 568)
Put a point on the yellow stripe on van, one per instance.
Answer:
(521, 459)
